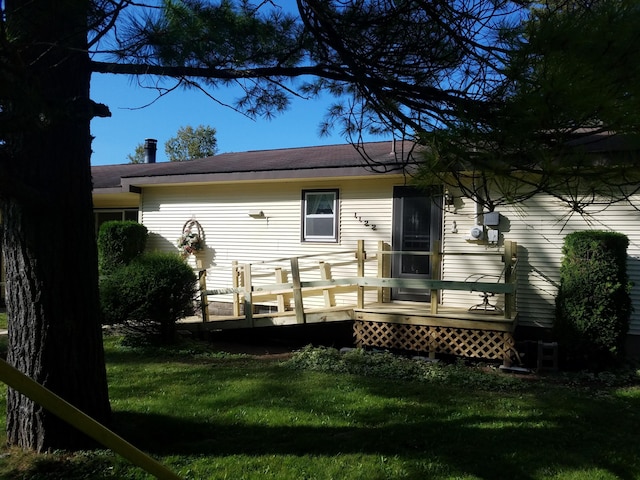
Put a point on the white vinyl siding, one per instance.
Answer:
(539, 227)
(232, 234)
(365, 212)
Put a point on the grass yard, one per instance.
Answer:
(320, 415)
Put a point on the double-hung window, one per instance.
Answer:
(320, 215)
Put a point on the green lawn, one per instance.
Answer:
(215, 416)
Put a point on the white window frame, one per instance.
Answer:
(333, 238)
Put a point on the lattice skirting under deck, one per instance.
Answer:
(463, 342)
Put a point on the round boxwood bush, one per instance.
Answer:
(149, 294)
(593, 305)
(119, 242)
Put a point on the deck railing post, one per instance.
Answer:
(283, 301)
(436, 260)
(384, 270)
(510, 252)
(248, 289)
(327, 293)
(297, 290)
(236, 284)
(204, 299)
(361, 255)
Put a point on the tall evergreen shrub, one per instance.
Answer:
(593, 305)
(149, 294)
(119, 242)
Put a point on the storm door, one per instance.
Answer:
(417, 224)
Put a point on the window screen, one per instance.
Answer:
(320, 216)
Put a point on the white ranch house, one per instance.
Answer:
(258, 206)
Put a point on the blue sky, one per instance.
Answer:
(131, 121)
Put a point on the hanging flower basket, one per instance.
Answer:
(192, 239)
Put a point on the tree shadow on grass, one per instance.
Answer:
(471, 445)
(499, 436)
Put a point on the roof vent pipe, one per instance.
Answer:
(150, 147)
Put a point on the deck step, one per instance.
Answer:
(547, 356)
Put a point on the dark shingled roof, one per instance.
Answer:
(333, 157)
(307, 162)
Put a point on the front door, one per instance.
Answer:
(417, 225)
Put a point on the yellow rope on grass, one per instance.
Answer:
(70, 414)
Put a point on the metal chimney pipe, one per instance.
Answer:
(150, 147)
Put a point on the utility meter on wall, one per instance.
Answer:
(476, 233)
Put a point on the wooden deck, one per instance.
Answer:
(272, 319)
(405, 326)
(411, 326)
(451, 331)
(413, 313)
(417, 313)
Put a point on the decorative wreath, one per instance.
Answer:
(192, 238)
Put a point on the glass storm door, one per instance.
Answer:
(417, 224)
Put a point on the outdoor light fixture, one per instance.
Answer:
(448, 198)
(257, 214)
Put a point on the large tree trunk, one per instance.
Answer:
(48, 235)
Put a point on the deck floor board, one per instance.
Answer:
(417, 313)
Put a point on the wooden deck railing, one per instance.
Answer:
(246, 289)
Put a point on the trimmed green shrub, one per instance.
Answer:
(593, 305)
(149, 295)
(119, 242)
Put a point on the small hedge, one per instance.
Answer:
(387, 365)
(119, 242)
(149, 294)
(593, 305)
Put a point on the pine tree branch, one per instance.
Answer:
(217, 73)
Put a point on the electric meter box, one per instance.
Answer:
(476, 233)
(492, 219)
